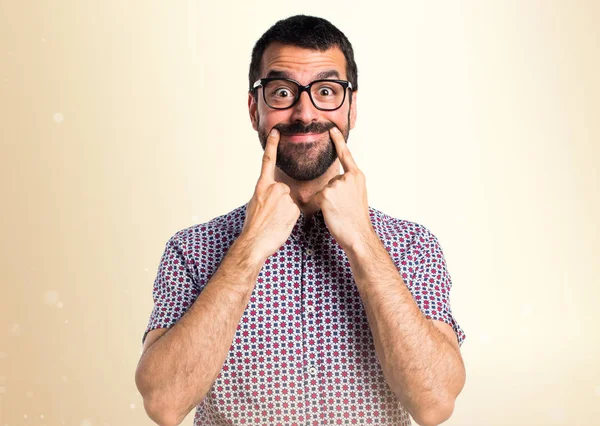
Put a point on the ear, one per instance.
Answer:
(354, 95)
(253, 110)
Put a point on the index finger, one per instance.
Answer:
(343, 152)
(270, 156)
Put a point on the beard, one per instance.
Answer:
(304, 161)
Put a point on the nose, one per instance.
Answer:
(304, 110)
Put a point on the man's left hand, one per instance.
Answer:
(343, 200)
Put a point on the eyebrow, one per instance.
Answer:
(321, 75)
(327, 74)
(278, 74)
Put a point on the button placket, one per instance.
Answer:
(312, 382)
(316, 307)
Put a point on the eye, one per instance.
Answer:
(282, 92)
(326, 91)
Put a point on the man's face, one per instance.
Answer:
(305, 151)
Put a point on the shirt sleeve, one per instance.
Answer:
(426, 275)
(175, 287)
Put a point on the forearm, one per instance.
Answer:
(421, 367)
(178, 370)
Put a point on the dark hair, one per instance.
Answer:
(308, 32)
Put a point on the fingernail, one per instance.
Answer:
(274, 132)
(335, 129)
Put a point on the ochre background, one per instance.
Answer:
(122, 122)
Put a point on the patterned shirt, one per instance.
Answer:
(303, 352)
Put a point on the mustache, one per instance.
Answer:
(299, 128)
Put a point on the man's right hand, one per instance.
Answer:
(271, 213)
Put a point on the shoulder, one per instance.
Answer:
(200, 248)
(218, 229)
(401, 231)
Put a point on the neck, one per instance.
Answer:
(303, 192)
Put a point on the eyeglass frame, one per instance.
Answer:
(263, 81)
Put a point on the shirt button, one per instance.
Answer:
(310, 308)
(309, 252)
(312, 371)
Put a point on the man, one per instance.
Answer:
(305, 305)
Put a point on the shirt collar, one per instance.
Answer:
(317, 224)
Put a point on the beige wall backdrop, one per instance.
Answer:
(123, 122)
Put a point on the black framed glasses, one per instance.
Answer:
(284, 93)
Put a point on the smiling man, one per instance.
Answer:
(305, 151)
(305, 305)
